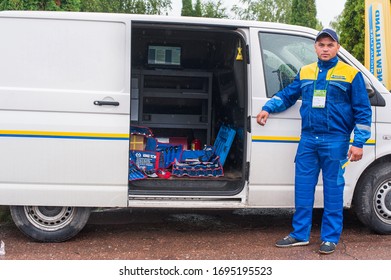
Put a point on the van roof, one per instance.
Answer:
(155, 18)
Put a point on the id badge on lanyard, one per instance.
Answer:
(319, 98)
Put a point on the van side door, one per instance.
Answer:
(64, 110)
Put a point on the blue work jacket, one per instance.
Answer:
(347, 105)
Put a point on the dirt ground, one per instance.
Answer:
(161, 234)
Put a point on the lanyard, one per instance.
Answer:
(327, 81)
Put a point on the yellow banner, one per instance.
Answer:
(378, 39)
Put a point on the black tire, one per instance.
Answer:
(372, 199)
(50, 223)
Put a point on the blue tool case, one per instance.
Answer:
(223, 142)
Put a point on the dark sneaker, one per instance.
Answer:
(327, 247)
(289, 241)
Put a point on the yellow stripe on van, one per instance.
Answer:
(285, 139)
(60, 134)
(369, 142)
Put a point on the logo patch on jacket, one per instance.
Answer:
(338, 77)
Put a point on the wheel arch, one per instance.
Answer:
(383, 159)
(371, 199)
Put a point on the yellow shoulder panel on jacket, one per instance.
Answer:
(307, 72)
(343, 73)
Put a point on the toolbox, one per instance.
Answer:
(169, 152)
(198, 169)
(147, 161)
(149, 156)
(207, 162)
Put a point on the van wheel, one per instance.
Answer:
(49, 223)
(372, 200)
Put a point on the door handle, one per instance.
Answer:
(103, 102)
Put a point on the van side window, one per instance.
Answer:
(283, 56)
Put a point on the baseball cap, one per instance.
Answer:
(329, 32)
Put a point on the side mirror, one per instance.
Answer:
(370, 90)
(374, 96)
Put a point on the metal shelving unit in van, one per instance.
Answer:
(175, 99)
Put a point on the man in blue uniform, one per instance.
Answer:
(334, 103)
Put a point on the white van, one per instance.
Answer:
(72, 86)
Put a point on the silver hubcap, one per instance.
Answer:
(49, 218)
(382, 201)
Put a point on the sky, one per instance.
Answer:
(327, 10)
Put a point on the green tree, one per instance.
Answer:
(90, 6)
(264, 10)
(43, 5)
(335, 23)
(197, 11)
(157, 7)
(187, 8)
(351, 26)
(70, 5)
(11, 5)
(109, 6)
(304, 13)
(214, 10)
(211, 9)
(149, 7)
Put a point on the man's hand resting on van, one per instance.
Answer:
(262, 117)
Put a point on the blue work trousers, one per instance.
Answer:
(327, 153)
